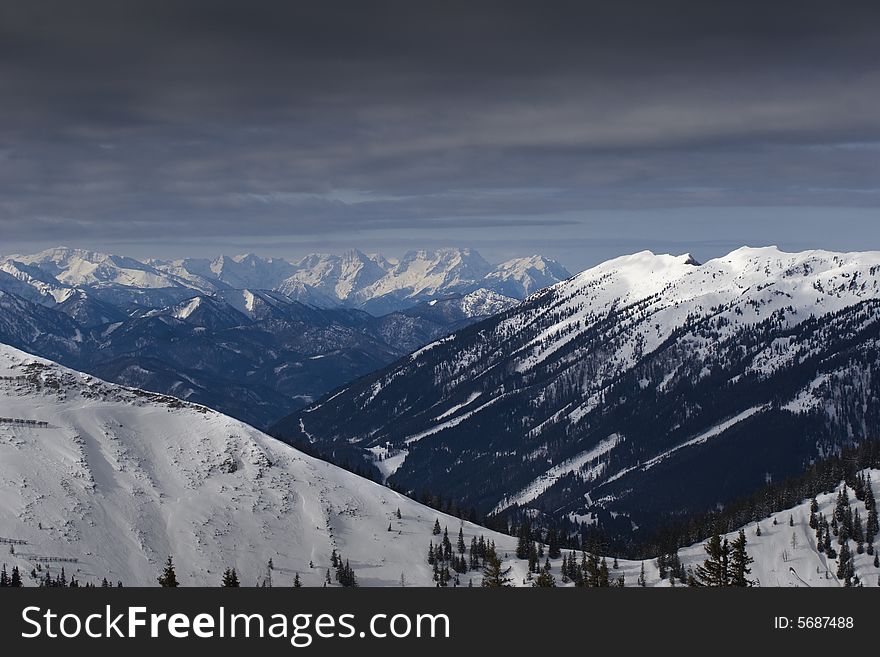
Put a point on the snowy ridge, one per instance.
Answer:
(118, 479)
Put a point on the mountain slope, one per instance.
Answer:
(254, 355)
(118, 479)
(647, 385)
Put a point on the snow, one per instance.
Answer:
(777, 563)
(554, 474)
(418, 352)
(449, 423)
(188, 308)
(77, 267)
(387, 465)
(457, 407)
(748, 285)
(122, 479)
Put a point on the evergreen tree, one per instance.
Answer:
(524, 542)
(739, 562)
(603, 573)
(436, 531)
(845, 565)
(872, 526)
(642, 581)
(545, 579)
(870, 502)
(662, 566)
(715, 569)
(553, 544)
(168, 578)
(4, 577)
(345, 574)
(296, 581)
(592, 570)
(494, 574)
(461, 545)
(230, 579)
(842, 505)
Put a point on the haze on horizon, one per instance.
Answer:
(579, 131)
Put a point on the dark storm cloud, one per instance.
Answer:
(145, 120)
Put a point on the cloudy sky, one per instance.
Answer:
(580, 130)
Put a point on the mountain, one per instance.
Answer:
(352, 280)
(77, 267)
(256, 355)
(32, 283)
(215, 331)
(107, 482)
(648, 385)
(521, 277)
(236, 272)
(331, 277)
(39, 328)
(117, 479)
(414, 327)
(380, 286)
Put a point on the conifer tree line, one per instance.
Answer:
(13, 579)
(342, 572)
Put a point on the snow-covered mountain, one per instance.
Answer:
(649, 384)
(256, 355)
(331, 278)
(352, 280)
(236, 272)
(77, 268)
(521, 277)
(107, 481)
(117, 479)
(254, 337)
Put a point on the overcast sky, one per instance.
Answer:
(580, 130)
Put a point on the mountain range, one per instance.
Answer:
(253, 337)
(352, 280)
(648, 387)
